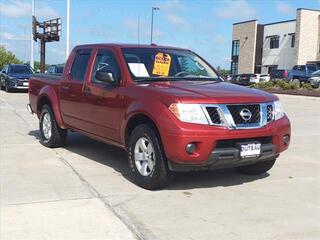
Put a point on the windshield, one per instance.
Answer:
(312, 68)
(317, 73)
(156, 64)
(60, 69)
(24, 69)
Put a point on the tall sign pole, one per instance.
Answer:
(151, 30)
(68, 30)
(31, 39)
(47, 31)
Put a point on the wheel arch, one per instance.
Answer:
(138, 119)
(48, 96)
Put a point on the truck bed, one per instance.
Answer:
(38, 82)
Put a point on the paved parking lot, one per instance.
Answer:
(82, 191)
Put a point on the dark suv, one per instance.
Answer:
(15, 76)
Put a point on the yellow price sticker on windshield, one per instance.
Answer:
(161, 65)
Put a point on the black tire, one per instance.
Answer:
(159, 175)
(58, 135)
(257, 168)
(6, 87)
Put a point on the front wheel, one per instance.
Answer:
(257, 168)
(52, 135)
(147, 160)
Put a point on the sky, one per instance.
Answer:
(204, 26)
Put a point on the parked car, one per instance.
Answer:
(264, 78)
(315, 79)
(168, 115)
(278, 74)
(15, 76)
(54, 69)
(301, 73)
(256, 78)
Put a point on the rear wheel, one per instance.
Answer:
(52, 135)
(147, 160)
(257, 168)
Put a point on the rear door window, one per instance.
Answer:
(80, 65)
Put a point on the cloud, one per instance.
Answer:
(177, 21)
(19, 8)
(132, 24)
(173, 5)
(220, 40)
(10, 36)
(236, 9)
(285, 8)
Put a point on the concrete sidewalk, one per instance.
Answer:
(82, 191)
(42, 197)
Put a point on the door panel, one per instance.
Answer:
(71, 91)
(102, 101)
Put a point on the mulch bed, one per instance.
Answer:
(301, 92)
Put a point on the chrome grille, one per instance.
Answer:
(228, 115)
(235, 111)
(269, 113)
(214, 115)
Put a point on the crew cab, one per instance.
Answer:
(166, 106)
(15, 76)
(301, 73)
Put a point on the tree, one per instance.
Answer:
(7, 57)
(223, 71)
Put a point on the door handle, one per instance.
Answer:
(65, 87)
(86, 90)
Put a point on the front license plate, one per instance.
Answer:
(25, 84)
(250, 150)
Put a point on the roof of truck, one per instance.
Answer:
(125, 45)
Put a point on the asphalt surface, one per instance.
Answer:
(83, 191)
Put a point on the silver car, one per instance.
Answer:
(315, 79)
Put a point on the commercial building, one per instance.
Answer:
(260, 48)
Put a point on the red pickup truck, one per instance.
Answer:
(166, 106)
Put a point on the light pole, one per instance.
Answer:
(31, 41)
(68, 29)
(153, 9)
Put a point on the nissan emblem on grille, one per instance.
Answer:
(246, 114)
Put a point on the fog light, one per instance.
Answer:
(286, 139)
(190, 148)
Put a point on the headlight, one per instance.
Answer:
(191, 113)
(12, 79)
(278, 110)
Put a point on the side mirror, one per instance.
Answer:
(105, 76)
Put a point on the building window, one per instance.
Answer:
(235, 47)
(274, 42)
(293, 39)
(234, 68)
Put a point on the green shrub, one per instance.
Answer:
(263, 85)
(307, 86)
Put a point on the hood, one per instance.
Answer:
(208, 92)
(20, 75)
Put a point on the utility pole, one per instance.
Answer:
(31, 37)
(151, 32)
(68, 30)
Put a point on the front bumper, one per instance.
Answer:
(227, 157)
(211, 150)
(18, 84)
